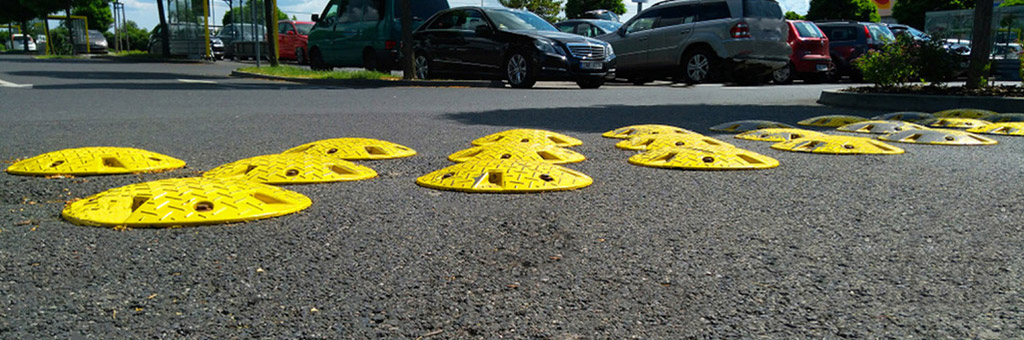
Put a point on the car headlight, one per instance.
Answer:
(611, 51)
(548, 46)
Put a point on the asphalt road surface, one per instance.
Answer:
(927, 244)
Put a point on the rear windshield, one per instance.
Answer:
(807, 30)
(303, 28)
(423, 9)
(761, 9)
(881, 33)
(609, 26)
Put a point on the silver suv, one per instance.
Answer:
(697, 41)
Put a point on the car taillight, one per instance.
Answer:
(740, 30)
(867, 32)
(390, 44)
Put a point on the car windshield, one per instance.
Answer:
(807, 30)
(918, 34)
(509, 20)
(93, 35)
(303, 28)
(609, 26)
(881, 33)
(762, 9)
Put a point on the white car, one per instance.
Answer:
(17, 43)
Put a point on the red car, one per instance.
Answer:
(291, 40)
(810, 60)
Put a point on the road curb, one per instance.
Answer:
(372, 82)
(925, 103)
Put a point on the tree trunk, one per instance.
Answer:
(408, 59)
(24, 32)
(165, 35)
(981, 44)
(270, 17)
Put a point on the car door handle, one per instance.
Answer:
(642, 38)
(684, 32)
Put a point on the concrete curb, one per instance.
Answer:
(372, 82)
(925, 103)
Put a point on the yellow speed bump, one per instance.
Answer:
(880, 126)
(838, 145)
(956, 123)
(777, 135)
(965, 113)
(354, 149)
(747, 125)
(529, 136)
(504, 176)
(547, 153)
(184, 202)
(1006, 118)
(831, 120)
(704, 158)
(651, 142)
(906, 116)
(292, 169)
(95, 161)
(938, 137)
(631, 131)
(1007, 129)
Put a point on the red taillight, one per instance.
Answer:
(390, 45)
(867, 32)
(740, 30)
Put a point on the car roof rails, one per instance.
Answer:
(668, 2)
(837, 21)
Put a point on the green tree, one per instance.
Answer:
(547, 9)
(243, 13)
(575, 8)
(19, 11)
(1008, 3)
(911, 12)
(794, 16)
(861, 10)
(138, 37)
(98, 13)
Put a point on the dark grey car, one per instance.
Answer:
(697, 41)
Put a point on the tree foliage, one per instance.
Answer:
(790, 15)
(860, 10)
(243, 14)
(575, 8)
(911, 12)
(1007, 3)
(97, 12)
(547, 9)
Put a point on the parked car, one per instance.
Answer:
(916, 34)
(291, 40)
(600, 14)
(700, 41)
(181, 44)
(848, 40)
(97, 42)
(17, 43)
(513, 45)
(239, 39)
(353, 33)
(809, 60)
(217, 47)
(1007, 51)
(588, 27)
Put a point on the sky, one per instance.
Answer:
(144, 12)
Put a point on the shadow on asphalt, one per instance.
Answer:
(604, 118)
(111, 75)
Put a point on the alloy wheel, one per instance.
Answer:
(697, 67)
(517, 69)
(422, 67)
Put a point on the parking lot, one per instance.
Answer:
(926, 244)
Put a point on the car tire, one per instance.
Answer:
(590, 83)
(316, 61)
(520, 71)
(422, 66)
(700, 65)
(300, 57)
(784, 75)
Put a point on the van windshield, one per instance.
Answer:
(423, 9)
(762, 9)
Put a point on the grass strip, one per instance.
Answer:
(295, 72)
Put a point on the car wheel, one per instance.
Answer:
(316, 61)
(590, 83)
(422, 66)
(519, 71)
(699, 66)
(300, 57)
(784, 75)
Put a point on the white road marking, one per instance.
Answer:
(197, 81)
(4, 83)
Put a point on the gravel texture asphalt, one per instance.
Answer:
(927, 244)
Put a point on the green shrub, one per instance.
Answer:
(933, 63)
(893, 66)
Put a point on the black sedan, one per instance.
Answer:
(512, 45)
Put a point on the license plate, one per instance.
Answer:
(591, 65)
(821, 67)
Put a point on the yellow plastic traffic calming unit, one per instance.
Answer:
(1006, 118)
(777, 135)
(965, 113)
(95, 161)
(504, 176)
(704, 158)
(956, 123)
(906, 116)
(292, 169)
(938, 137)
(631, 131)
(747, 125)
(831, 120)
(547, 153)
(651, 142)
(1008, 129)
(184, 202)
(529, 136)
(839, 145)
(880, 126)
(354, 149)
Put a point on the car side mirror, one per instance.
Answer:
(483, 30)
(315, 17)
(621, 31)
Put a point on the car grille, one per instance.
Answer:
(586, 51)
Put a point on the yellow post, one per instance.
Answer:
(206, 27)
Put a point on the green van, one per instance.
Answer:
(366, 33)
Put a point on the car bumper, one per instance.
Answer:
(755, 64)
(556, 67)
(813, 64)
